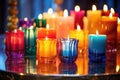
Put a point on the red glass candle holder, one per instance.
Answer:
(15, 40)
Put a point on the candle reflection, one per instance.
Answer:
(65, 68)
(96, 68)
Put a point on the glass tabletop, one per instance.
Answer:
(82, 67)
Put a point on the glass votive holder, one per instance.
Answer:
(30, 41)
(97, 48)
(15, 40)
(46, 50)
(68, 50)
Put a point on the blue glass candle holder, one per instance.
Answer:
(97, 48)
(68, 50)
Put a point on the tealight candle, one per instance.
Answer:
(68, 50)
(94, 18)
(30, 40)
(15, 40)
(46, 50)
(97, 47)
(78, 16)
(40, 22)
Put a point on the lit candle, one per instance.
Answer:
(25, 23)
(105, 11)
(79, 35)
(78, 16)
(40, 22)
(118, 31)
(97, 47)
(15, 40)
(109, 27)
(94, 17)
(68, 50)
(64, 25)
(46, 50)
(49, 32)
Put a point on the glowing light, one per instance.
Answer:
(112, 10)
(77, 8)
(40, 16)
(20, 28)
(31, 27)
(78, 27)
(46, 38)
(97, 32)
(15, 30)
(25, 19)
(50, 11)
(117, 68)
(105, 7)
(65, 13)
(111, 15)
(94, 8)
(47, 26)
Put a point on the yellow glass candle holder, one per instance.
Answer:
(46, 50)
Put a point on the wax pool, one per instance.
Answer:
(97, 48)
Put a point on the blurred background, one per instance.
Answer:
(31, 8)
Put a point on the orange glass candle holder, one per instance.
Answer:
(46, 50)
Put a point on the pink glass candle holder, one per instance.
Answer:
(15, 40)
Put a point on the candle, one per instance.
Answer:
(40, 22)
(97, 47)
(79, 35)
(46, 50)
(30, 40)
(105, 11)
(78, 16)
(49, 32)
(68, 50)
(15, 40)
(118, 31)
(94, 18)
(64, 25)
(25, 23)
(109, 27)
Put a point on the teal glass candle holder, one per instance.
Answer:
(40, 23)
(68, 52)
(30, 41)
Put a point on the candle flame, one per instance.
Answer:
(25, 19)
(40, 16)
(15, 30)
(50, 11)
(94, 8)
(105, 7)
(117, 68)
(31, 27)
(53, 15)
(77, 8)
(110, 15)
(68, 37)
(112, 10)
(97, 32)
(118, 20)
(20, 28)
(47, 26)
(78, 27)
(46, 38)
(65, 13)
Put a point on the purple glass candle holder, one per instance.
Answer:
(68, 50)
